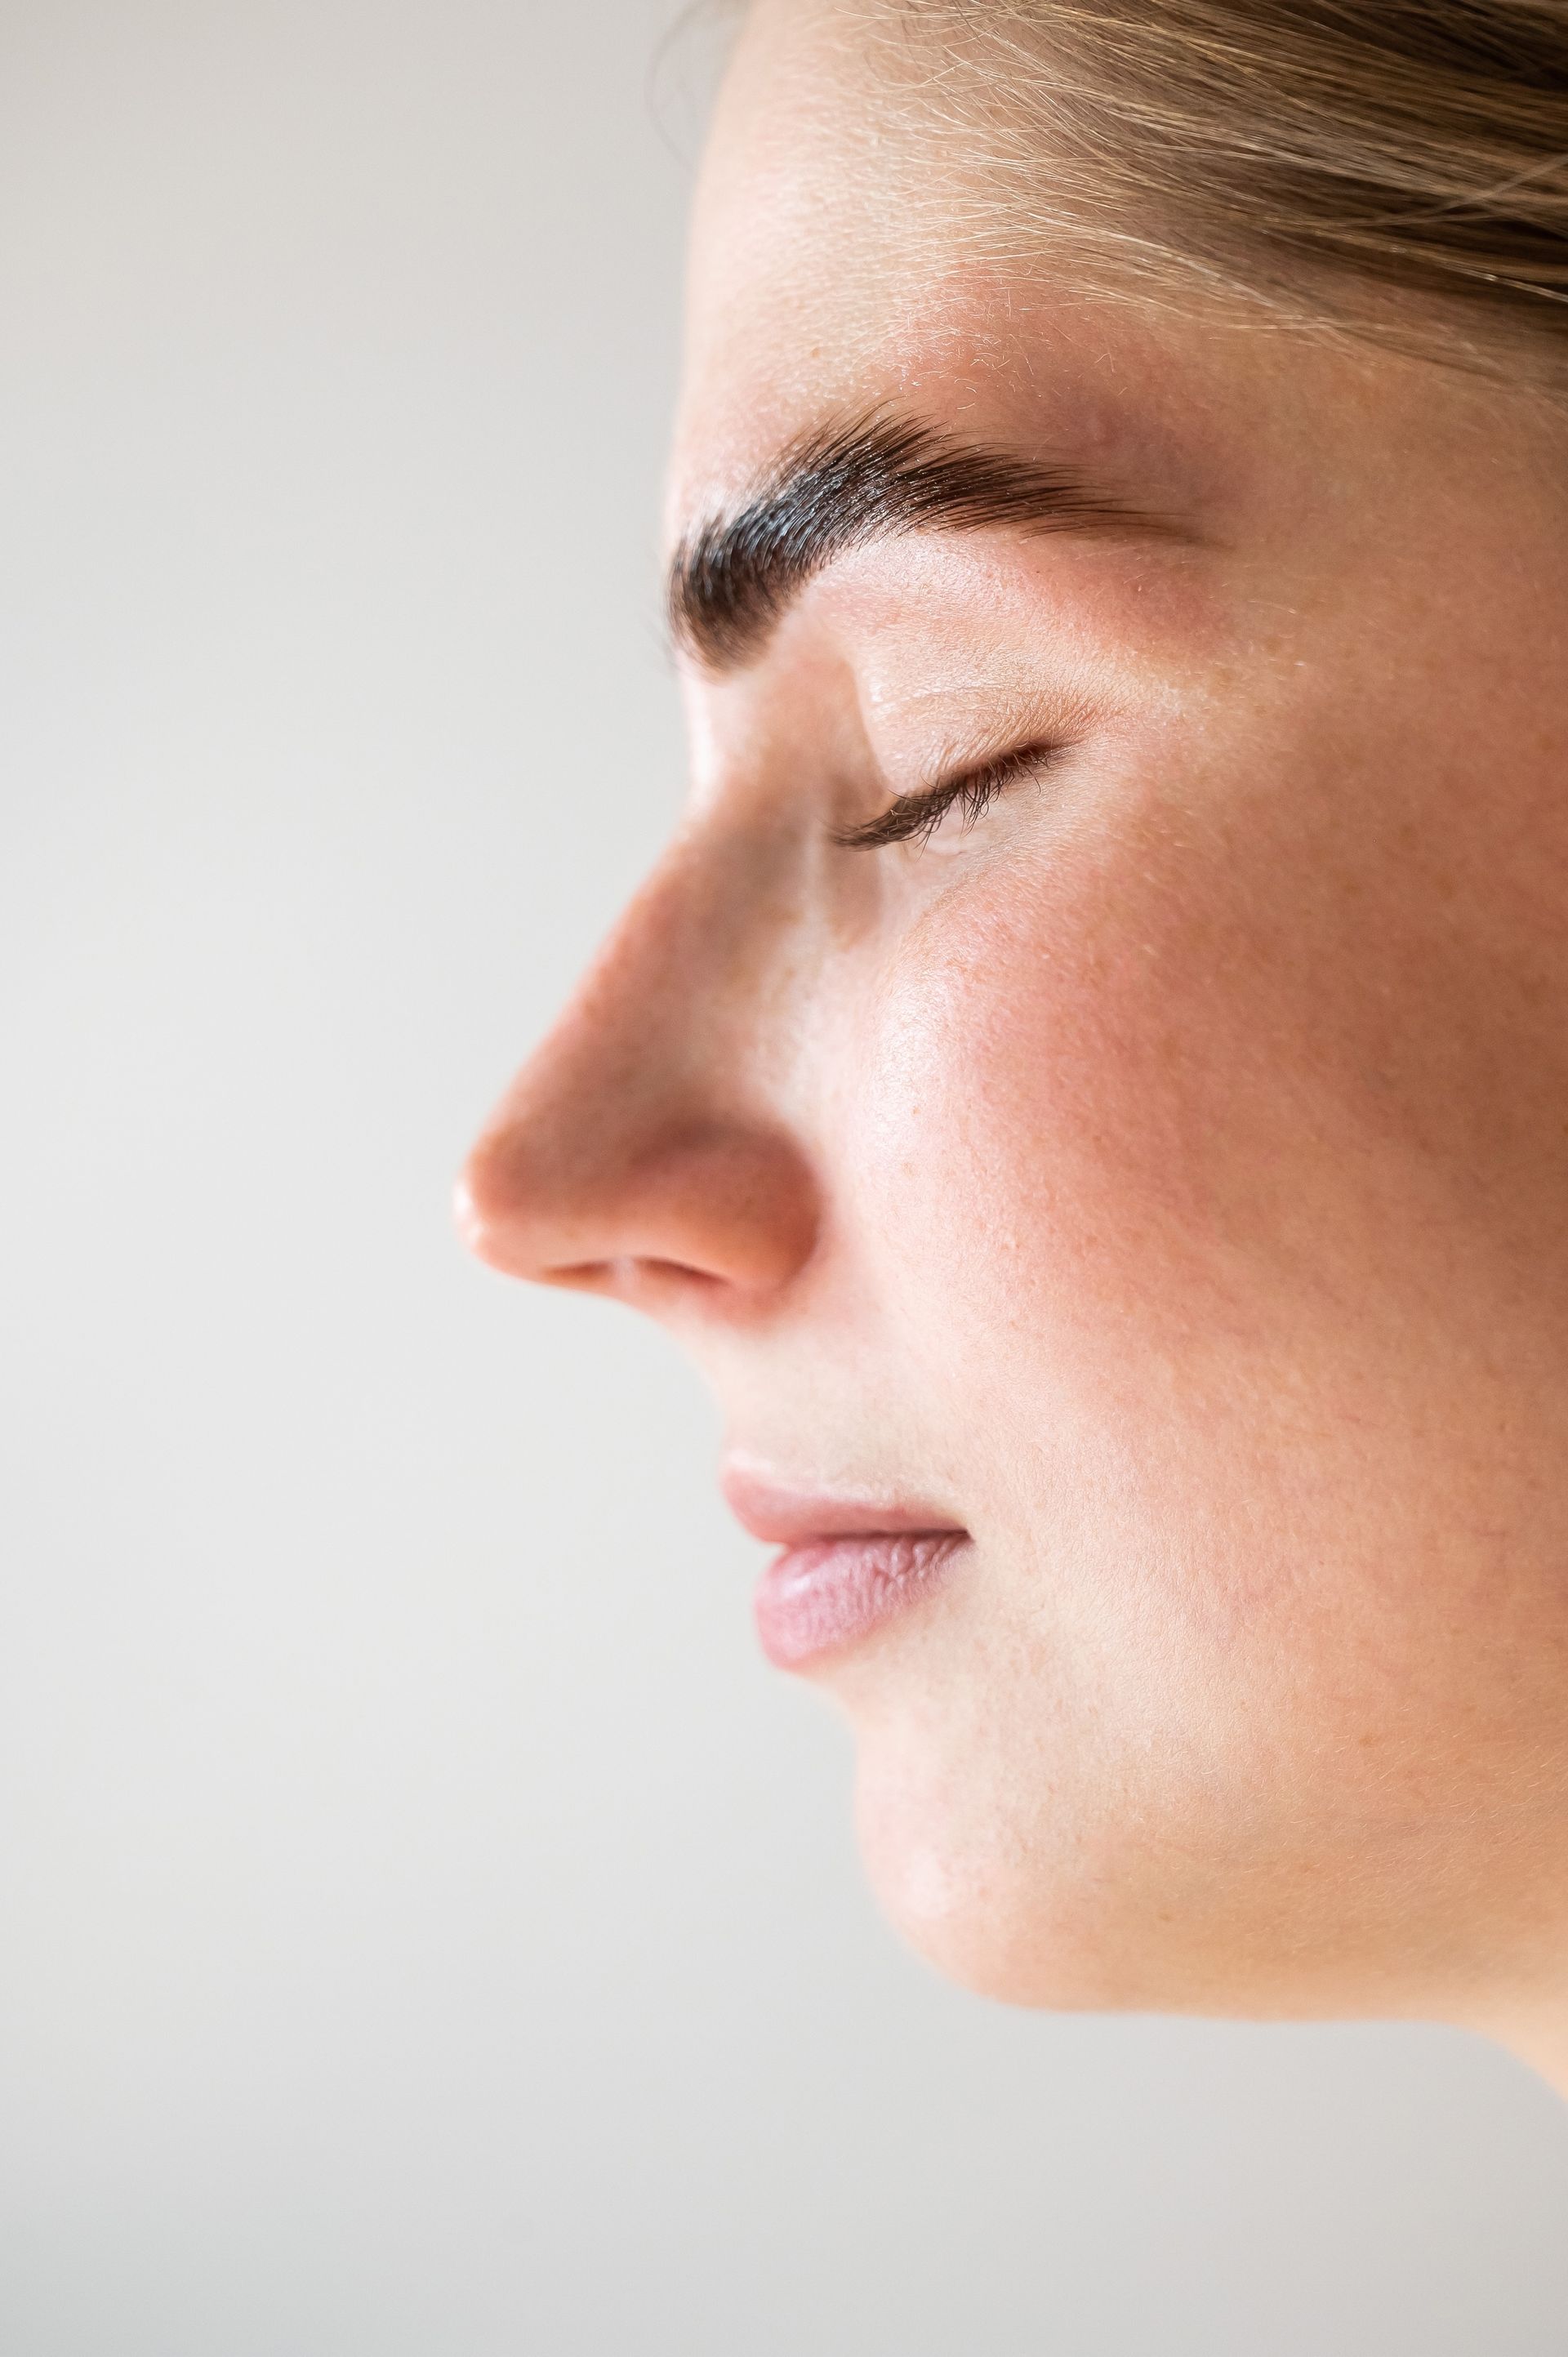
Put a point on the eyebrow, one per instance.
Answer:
(877, 476)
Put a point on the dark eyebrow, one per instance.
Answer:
(877, 476)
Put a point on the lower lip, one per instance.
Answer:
(817, 1597)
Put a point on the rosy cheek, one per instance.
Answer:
(1203, 1176)
(1035, 1120)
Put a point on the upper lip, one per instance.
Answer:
(788, 1515)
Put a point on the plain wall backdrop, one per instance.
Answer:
(429, 1930)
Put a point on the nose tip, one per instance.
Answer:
(505, 1211)
(729, 1211)
(468, 1219)
(641, 1150)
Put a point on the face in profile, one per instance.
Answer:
(1088, 1082)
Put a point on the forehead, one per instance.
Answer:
(833, 270)
(809, 287)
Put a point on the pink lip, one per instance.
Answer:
(847, 1565)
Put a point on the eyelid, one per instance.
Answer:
(910, 817)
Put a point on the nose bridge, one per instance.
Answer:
(649, 1127)
(671, 1012)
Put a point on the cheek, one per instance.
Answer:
(1041, 1093)
(1041, 1161)
(1163, 1177)
(1214, 1103)
(1162, 1161)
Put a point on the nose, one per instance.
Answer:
(641, 1151)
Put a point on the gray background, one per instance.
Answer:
(429, 1930)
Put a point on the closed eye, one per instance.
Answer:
(914, 818)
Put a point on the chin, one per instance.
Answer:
(1053, 1933)
(1001, 1842)
(1067, 1909)
(1002, 1912)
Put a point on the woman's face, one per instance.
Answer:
(1161, 1180)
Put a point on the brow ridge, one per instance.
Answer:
(878, 475)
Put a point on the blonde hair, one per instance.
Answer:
(1302, 153)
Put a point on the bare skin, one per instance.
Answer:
(1166, 1176)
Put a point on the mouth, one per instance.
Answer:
(845, 1565)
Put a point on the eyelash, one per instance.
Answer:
(914, 818)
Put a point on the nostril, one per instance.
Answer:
(646, 1281)
(584, 1276)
